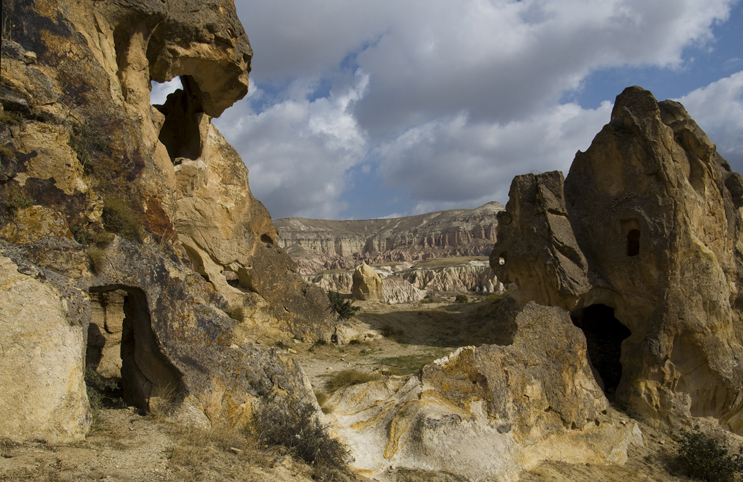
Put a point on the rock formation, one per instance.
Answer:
(136, 217)
(367, 285)
(641, 243)
(474, 276)
(489, 412)
(317, 244)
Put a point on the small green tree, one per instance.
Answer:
(705, 457)
(343, 307)
(461, 299)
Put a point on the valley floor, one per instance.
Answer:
(397, 340)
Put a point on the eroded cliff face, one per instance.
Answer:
(318, 244)
(642, 244)
(103, 193)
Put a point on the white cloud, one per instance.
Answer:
(159, 92)
(456, 98)
(718, 109)
(298, 151)
(452, 162)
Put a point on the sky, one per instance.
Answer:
(369, 109)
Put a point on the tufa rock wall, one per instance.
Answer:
(641, 243)
(103, 194)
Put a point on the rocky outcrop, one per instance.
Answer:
(143, 211)
(489, 412)
(367, 285)
(473, 276)
(42, 358)
(405, 284)
(318, 244)
(538, 245)
(397, 290)
(644, 251)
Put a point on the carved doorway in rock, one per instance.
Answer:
(123, 355)
(604, 337)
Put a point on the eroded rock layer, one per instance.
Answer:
(642, 244)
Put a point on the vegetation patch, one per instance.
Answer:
(346, 378)
(410, 364)
(461, 299)
(102, 393)
(342, 306)
(9, 118)
(237, 313)
(705, 457)
(87, 143)
(119, 218)
(98, 256)
(17, 200)
(296, 427)
(394, 334)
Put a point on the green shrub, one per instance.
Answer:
(17, 200)
(343, 307)
(10, 118)
(118, 218)
(296, 427)
(97, 256)
(705, 457)
(461, 299)
(85, 142)
(388, 331)
(237, 313)
(102, 391)
(346, 378)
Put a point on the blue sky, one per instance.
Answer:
(364, 109)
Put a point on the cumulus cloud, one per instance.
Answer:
(447, 100)
(456, 162)
(159, 92)
(297, 150)
(718, 109)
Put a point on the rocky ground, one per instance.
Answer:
(397, 340)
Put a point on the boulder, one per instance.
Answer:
(367, 285)
(42, 359)
(654, 211)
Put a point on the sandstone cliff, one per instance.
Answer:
(104, 196)
(641, 243)
(318, 244)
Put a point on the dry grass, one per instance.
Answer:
(119, 218)
(97, 256)
(346, 378)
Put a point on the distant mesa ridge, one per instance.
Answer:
(319, 244)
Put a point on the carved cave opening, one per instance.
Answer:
(604, 337)
(124, 363)
(633, 242)
(180, 133)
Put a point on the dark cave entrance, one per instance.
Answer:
(604, 337)
(633, 242)
(121, 322)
